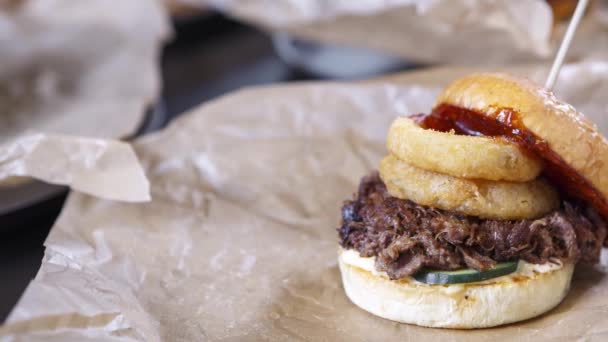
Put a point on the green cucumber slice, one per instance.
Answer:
(466, 275)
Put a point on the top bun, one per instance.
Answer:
(567, 132)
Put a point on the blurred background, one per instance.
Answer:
(119, 70)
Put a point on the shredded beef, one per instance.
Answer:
(405, 237)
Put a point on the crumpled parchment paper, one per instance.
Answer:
(239, 242)
(86, 68)
(457, 32)
(103, 168)
(78, 68)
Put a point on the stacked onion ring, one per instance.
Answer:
(479, 176)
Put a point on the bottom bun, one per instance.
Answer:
(461, 306)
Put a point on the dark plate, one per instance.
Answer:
(328, 61)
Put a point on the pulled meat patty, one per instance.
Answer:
(405, 237)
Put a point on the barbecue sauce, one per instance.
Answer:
(505, 123)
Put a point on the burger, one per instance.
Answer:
(481, 210)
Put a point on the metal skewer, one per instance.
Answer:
(563, 48)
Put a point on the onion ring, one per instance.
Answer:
(461, 155)
(500, 200)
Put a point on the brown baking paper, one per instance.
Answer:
(457, 32)
(239, 242)
(103, 168)
(85, 68)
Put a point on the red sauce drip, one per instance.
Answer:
(505, 123)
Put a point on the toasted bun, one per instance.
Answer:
(462, 306)
(569, 133)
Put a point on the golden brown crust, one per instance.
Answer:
(568, 133)
(498, 200)
(461, 155)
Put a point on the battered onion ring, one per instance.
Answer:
(482, 198)
(460, 155)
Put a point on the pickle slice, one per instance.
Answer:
(466, 275)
